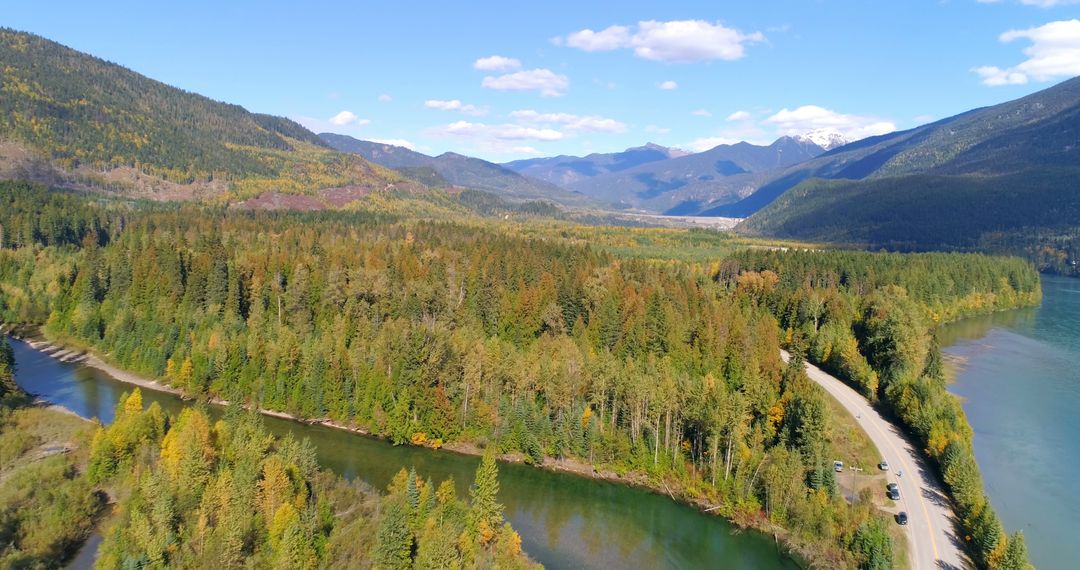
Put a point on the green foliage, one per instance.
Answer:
(485, 514)
(874, 545)
(425, 527)
(394, 543)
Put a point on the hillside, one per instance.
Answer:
(564, 170)
(1041, 130)
(983, 179)
(687, 184)
(71, 119)
(456, 169)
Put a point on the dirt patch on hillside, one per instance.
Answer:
(278, 201)
(17, 162)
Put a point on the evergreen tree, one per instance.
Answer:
(485, 513)
(394, 541)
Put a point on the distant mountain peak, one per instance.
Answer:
(670, 152)
(827, 138)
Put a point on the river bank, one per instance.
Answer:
(801, 554)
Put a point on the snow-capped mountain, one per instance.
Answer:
(826, 138)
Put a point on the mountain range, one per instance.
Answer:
(73, 120)
(667, 180)
(951, 183)
(564, 170)
(452, 169)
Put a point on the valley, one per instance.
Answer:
(446, 308)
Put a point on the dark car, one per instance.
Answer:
(893, 491)
(901, 517)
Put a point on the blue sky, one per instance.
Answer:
(580, 77)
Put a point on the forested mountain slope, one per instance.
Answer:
(72, 119)
(1038, 132)
(1003, 178)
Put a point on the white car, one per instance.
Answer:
(884, 465)
(838, 466)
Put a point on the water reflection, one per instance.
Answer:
(1020, 384)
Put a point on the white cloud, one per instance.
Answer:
(343, 122)
(384, 98)
(395, 142)
(688, 41)
(738, 116)
(496, 63)
(705, 143)
(500, 132)
(676, 41)
(455, 105)
(610, 38)
(700, 113)
(1054, 53)
(570, 122)
(442, 105)
(547, 82)
(669, 85)
(811, 117)
(347, 118)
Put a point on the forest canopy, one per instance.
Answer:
(434, 333)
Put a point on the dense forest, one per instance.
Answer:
(1030, 214)
(194, 492)
(432, 333)
(870, 319)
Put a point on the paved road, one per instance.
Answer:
(930, 528)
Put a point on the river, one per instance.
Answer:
(1019, 375)
(565, 521)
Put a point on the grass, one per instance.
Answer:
(47, 507)
(851, 442)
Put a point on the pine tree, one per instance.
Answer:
(485, 514)
(1016, 554)
(394, 541)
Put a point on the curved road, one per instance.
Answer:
(930, 529)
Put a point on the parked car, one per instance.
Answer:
(901, 517)
(884, 465)
(893, 491)
(838, 466)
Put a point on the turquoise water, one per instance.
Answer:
(1019, 376)
(565, 521)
